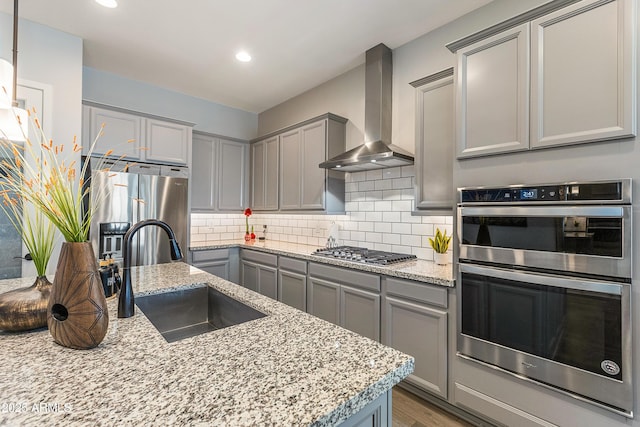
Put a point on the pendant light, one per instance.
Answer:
(14, 123)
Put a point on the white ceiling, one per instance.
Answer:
(188, 46)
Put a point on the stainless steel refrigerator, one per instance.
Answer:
(145, 191)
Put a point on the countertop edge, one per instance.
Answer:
(386, 270)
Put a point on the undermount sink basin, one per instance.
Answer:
(194, 311)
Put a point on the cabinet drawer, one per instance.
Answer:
(417, 291)
(347, 277)
(210, 255)
(260, 257)
(292, 264)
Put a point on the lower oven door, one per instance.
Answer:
(565, 332)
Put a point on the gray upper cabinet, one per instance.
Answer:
(135, 136)
(434, 142)
(566, 76)
(582, 74)
(219, 173)
(265, 158)
(492, 98)
(288, 160)
(302, 182)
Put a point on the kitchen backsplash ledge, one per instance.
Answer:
(378, 216)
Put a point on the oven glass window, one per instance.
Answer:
(578, 328)
(573, 235)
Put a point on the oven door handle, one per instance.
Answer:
(544, 279)
(544, 211)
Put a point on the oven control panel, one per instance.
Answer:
(610, 191)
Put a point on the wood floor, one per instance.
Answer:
(411, 411)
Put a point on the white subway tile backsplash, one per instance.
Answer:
(401, 205)
(392, 173)
(400, 228)
(366, 185)
(374, 174)
(383, 206)
(378, 206)
(373, 216)
(400, 183)
(384, 184)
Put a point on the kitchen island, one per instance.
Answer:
(288, 368)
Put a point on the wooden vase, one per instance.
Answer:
(25, 308)
(77, 313)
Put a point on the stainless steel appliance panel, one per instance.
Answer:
(571, 333)
(142, 193)
(163, 198)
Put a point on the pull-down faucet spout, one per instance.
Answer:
(125, 300)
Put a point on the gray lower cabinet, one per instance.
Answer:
(219, 174)
(345, 297)
(292, 282)
(259, 272)
(414, 321)
(375, 414)
(223, 263)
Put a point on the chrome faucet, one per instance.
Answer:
(125, 300)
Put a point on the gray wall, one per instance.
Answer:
(106, 88)
(52, 58)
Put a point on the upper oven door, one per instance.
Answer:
(582, 239)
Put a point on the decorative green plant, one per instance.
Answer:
(44, 178)
(36, 232)
(440, 242)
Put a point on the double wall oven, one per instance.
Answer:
(544, 277)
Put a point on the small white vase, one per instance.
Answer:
(441, 259)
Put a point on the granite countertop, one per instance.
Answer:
(418, 270)
(288, 368)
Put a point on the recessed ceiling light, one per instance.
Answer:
(243, 56)
(108, 3)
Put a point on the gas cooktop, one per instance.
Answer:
(364, 255)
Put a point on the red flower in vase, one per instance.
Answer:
(247, 214)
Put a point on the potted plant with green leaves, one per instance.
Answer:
(47, 176)
(440, 245)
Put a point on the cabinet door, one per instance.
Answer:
(582, 79)
(290, 176)
(271, 173)
(268, 281)
(122, 133)
(420, 331)
(360, 312)
(324, 300)
(435, 141)
(232, 175)
(292, 289)
(264, 174)
(313, 151)
(249, 275)
(258, 175)
(203, 173)
(167, 142)
(217, 268)
(492, 98)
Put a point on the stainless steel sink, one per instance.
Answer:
(190, 312)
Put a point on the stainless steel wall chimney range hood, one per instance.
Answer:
(377, 152)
